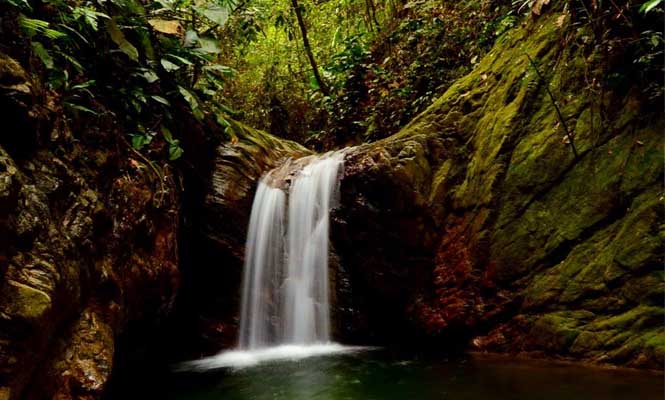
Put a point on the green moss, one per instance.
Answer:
(587, 341)
(648, 289)
(557, 331)
(635, 318)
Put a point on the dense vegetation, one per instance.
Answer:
(322, 73)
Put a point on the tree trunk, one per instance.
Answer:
(308, 50)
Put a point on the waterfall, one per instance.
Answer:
(285, 285)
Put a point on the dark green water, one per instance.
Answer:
(375, 375)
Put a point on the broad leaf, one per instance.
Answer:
(166, 26)
(223, 69)
(181, 59)
(161, 100)
(43, 55)
(140, 141)
(175, 151)
(119, 38)
(650, 5)
(79, 107)
(193, 102)
(149, 75)
(168, 65)
(209, 46)
(191, 39)
(217, 14)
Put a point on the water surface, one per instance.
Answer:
(375, 375)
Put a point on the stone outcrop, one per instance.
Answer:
(88, 244)
(477, 219)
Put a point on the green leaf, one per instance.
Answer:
(89, 15)
(149, 75)
(167, 4)
(215, 13)
(160, 99)
(20, 4)
(146, 43)
(79, 107)
(37, 26)
(119, 38)
(77, 65)
(193, 102)
(140, 141)
(175, 151)
(167, 134)
(223, 69)
(209, 46)
(84, 85)
(191, 38)
(168, 65)
(650, 5)
(43, 55)
(181, 59)
(129, 6)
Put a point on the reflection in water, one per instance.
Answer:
(374, 375)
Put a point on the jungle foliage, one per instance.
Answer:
(325, 73)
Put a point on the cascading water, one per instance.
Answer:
(285, 288)
(285, 312)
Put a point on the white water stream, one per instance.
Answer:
(285, 302)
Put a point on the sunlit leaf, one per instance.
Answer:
(650, 5)
(119, 38)
(217, 14)
(193, 102)
(42, 54)
(140, 141)
(79, 107)
(169, 27)
(191, 38)
(149, 75)
(161, 100)
(209, 46)
(223, 69)
(175, 151)
(181, 59)
(83, 85)
(36, 26)
(168, 65)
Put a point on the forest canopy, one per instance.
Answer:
(324, 73)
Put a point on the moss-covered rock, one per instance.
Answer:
(478, 218)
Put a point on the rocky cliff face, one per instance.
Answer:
(88, 244)
(506, 233)
(479, 225)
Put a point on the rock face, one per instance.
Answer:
(88, 244)
(478, 225)
(478, 220)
